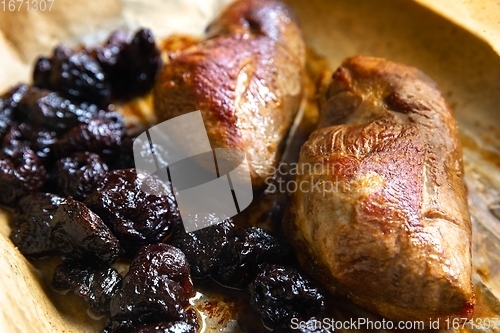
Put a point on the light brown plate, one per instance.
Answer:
(464, 65)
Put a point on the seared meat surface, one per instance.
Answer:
(387, 225)
(245, 78)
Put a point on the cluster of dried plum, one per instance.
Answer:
(60, 171)
(120, 69)
(231, 256)
(66, 169)
(251, 259)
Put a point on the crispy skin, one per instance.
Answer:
(245, 77)
(388, 225)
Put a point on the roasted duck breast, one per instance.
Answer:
(383, 220)
(245, 78)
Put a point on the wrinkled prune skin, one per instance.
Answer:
(131, 65)
(11, 97)
(140, 209)
(156, 289)
(79, 174)
(8, 103)
(44, 67)
(95, 284)
(101, 135)
(126, 156)
(279, 294)
(203, 246)
(5, 117)
(80, 77)
(230, 256)
(248, 248)
(122, 68)
(164, 327)
(51, 110)
(145, 299)
(81, 234)
(31, 224)
(21, 172)
(41, 73)
(163, 260)
(40, 140)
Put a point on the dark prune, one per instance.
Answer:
(101, 135)
(11, 98)
(8, 104)
(41, 74)
(40, 140)
(155, 289)
(21, 172)
(122, 68)
(131, 65)
(5, 115)
(238, 262)
(145, 299)
(164, 327)
(279, 294)
(110, 53)
(202, 247)
(49, 109)
(126, 155)
(163, 260)
(32, 232)
(81, 77)
(140, 209)
(79, 174)
(97, 285)
(5, 118)
(82, 234)
(45, 66)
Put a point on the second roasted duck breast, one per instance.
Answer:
(389, 227)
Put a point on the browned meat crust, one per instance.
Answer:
(390, 228)
(246, 78)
